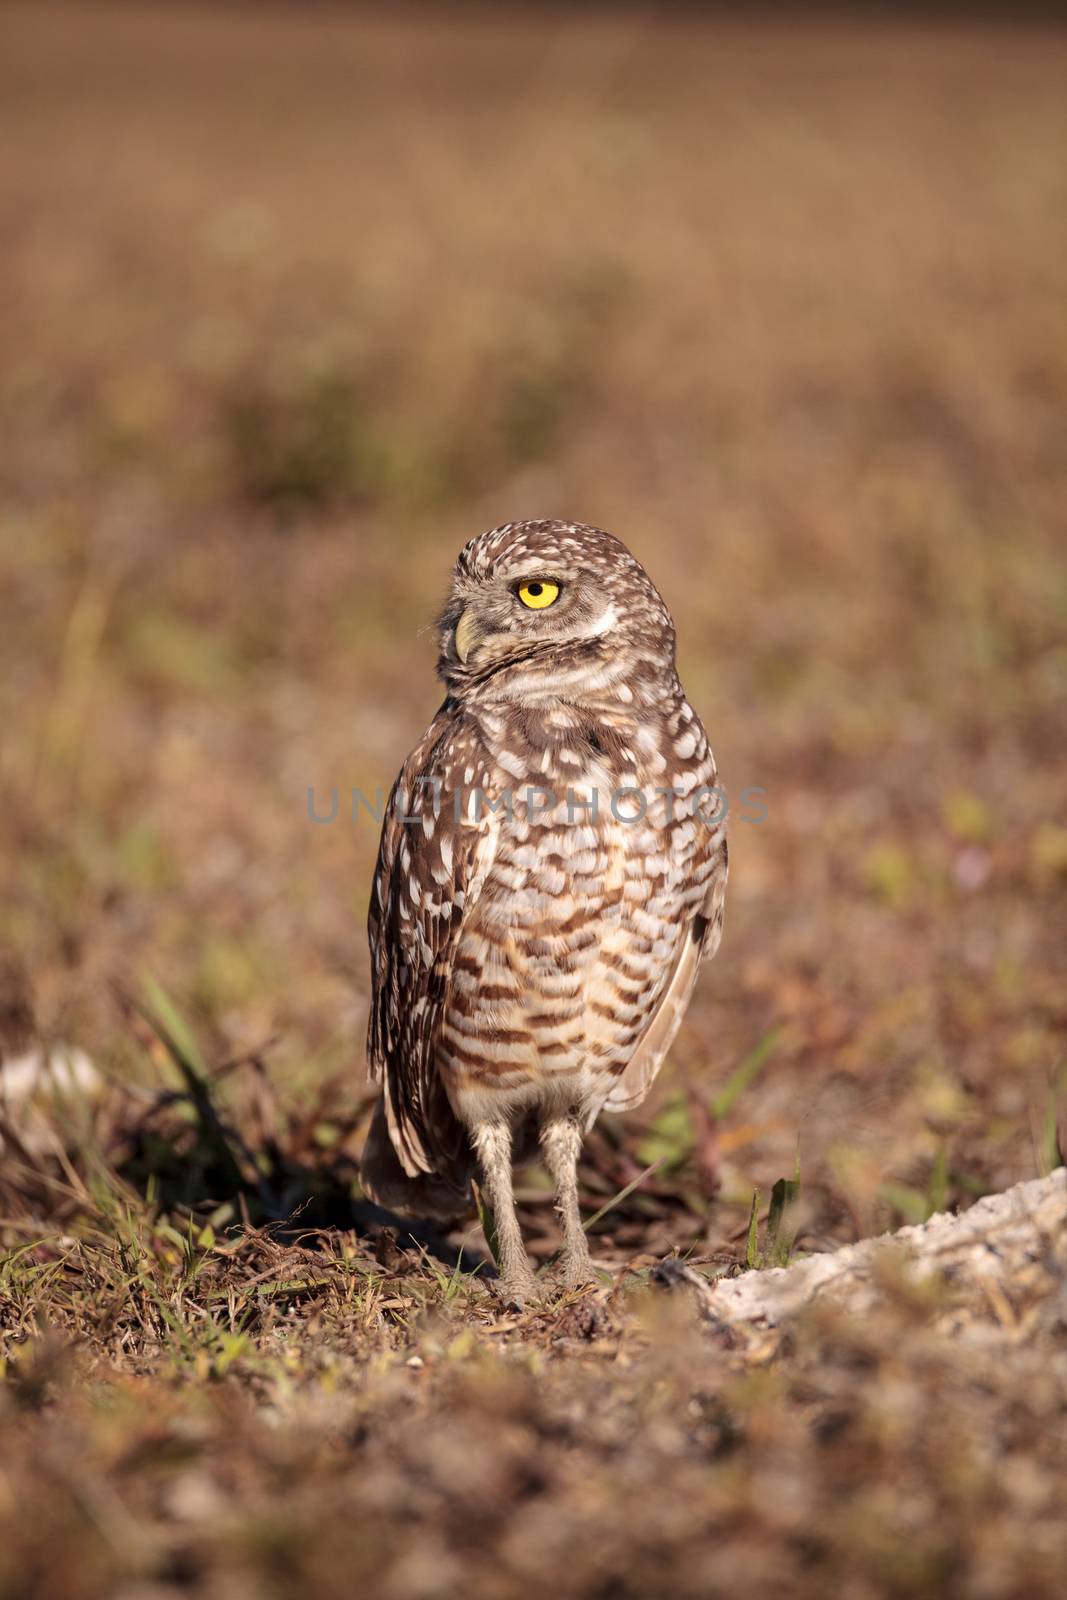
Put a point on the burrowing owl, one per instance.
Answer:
(552, 869)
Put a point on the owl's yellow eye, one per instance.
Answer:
(539, 594)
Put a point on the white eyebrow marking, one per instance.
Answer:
(603, 623)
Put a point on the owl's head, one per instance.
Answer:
(548, 597)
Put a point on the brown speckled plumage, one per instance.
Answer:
(533, 948)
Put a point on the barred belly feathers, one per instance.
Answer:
(552, 869)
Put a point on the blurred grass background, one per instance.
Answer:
(295, 304)
(293, 301)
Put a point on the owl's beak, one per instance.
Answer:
(467, 635)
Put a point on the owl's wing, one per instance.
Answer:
(432, 862)
(700, 938)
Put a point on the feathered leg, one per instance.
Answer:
(561, 1141)
(492, 1145)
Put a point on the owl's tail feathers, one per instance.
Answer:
(442, 1197)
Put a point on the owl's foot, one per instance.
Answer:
(576, 1269)
(561, 1141)
(518, 1289)
(516, 1284)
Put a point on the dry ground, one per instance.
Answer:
(292, 306)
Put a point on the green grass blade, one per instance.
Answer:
(170, 1027)
(617, 1199)
(746, 1073)
(752, 1255)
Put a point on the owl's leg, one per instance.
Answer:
(492, 1145)
(561, 1141)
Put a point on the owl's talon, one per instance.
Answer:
(517, 1293)
(580, 1278)
(576, 1272)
